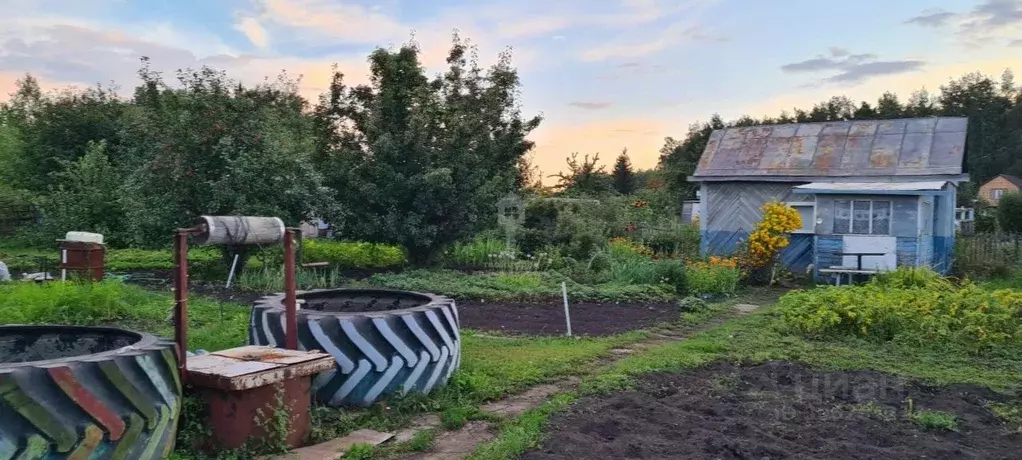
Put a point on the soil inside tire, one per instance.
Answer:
(779, 410)
(26, 344)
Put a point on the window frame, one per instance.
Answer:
(805, 204)
(997, 193)
(851, 217)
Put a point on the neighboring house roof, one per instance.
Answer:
(901, 147)
(1014, 180)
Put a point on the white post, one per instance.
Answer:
(63, 261)
(230, 276)
(567, 316)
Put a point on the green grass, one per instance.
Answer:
(523, 433)
(935, 420)
(516, 286)
(116, 259)
(212, 325)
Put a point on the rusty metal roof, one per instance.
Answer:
(901, 147)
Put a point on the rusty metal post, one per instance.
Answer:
(290, 301)
(181, 299)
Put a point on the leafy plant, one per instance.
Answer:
(935, 420)
(911, 307)
(352, 255)
(713, 277)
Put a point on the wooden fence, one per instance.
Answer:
(983, 253)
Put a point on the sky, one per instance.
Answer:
(605, 74)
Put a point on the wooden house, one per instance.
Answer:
(872, 194)
(991, 191)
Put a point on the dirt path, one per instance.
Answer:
(457, 444)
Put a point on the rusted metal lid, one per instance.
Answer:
(254, 366)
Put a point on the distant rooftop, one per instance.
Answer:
(901, 147)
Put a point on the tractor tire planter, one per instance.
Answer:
(87, 392)
(385, 342)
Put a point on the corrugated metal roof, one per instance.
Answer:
(901, 147)
(874, 186)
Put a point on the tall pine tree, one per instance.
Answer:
(624, 176)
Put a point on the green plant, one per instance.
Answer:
(693, 304)
(271, 279)
(456, 417)
(910, 307)
(712, 278)
(516, 286)
(212, 325)
(422, 441)
(360, 451)
(352, 255)
(935, 420)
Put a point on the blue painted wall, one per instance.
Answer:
(943, 247)
(907, 251)
(797, 256)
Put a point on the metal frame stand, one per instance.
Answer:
(181, 293)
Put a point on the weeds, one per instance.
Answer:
(212, 325)
(422, 441)
(516, 286)
(935, 420)
(360, 452)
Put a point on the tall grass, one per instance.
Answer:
(487, 253)
(212, 325)
(271, 279)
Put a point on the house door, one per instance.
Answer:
(876, 244)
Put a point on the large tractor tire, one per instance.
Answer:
(385, 342)
(87, 393)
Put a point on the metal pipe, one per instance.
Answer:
(290, 300)
(181, 300)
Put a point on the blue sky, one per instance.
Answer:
(606, 74)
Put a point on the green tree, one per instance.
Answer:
(213, 146)
(1009, 212)
(889, 106)
(624, 176)
(87, 196)
(417, 161)
(585, 178)
(678, 158)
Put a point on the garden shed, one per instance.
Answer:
(884, 189)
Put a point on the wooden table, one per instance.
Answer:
(859, 256)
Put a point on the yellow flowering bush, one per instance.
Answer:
(771, 234)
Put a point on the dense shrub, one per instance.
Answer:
(914, 307)
(351, 255)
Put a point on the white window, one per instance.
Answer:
(996, 193)
(808, 213)
(862, 217)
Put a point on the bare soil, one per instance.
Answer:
(779, 411)
(547, 318)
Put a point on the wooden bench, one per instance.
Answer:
(316, 265)
(850, 271)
